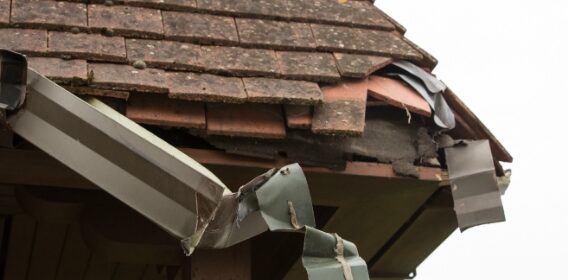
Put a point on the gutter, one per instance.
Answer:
(159, 181)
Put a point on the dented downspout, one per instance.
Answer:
(160, 182)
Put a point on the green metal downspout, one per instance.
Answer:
(160, 182)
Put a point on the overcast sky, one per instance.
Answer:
(507, 60)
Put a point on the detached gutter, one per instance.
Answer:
(162, 183)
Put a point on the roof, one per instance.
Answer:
(268, 69)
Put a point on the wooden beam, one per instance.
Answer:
(20, 247)
(48, 242)
(433, 224)
(122, 235)
(49, 172)
(75, 255)
(230, 263)
(32, 167)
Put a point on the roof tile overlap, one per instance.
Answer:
(200, 28)
(60, 70)
(246, 120)
(87, 46)
(240, 61)
(351, 13)
(119, 95)
(28, 41)
(279, 35)
(206, 87)
(313, 66)
(30, 13)
(267, 90)
(180, 5)
(360, 66)
(4, 12)
(343, 109)
(164, 54)
(127, 21)
(338, 39)
(298, 116)
(160, 110)
(125, 77)
(253, 8)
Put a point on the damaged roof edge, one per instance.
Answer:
(499, 151)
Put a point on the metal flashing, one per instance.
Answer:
(429, 87)
(477, 198)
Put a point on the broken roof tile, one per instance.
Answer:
(360, 65)
(4, 12)
(265, 8)
(342, 111)
(87, 46)
(185, 5)
(128, 21)
(59, 70)
(267, 90)
(126, 77)
(313, 66)
(275, 34)
(157, 109)
(28, 41)
(298, 116)
(48, 14)
(351, 13)
(200, 28)
(247, 120)
(365, 41)
(99, 92)
(205, 87)
(397, 94)
(164, 54)
(239, 61)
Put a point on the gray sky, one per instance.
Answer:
(507, 60)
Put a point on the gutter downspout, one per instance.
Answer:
(160, 182)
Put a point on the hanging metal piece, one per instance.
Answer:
(477, 199)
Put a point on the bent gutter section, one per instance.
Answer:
(171, 189)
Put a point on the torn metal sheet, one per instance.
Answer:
(504, 181)
(428, 86)
(327, 256)
(165, 185)
(279, 200)
(477, 199)
(262, 204)
(13, 70)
